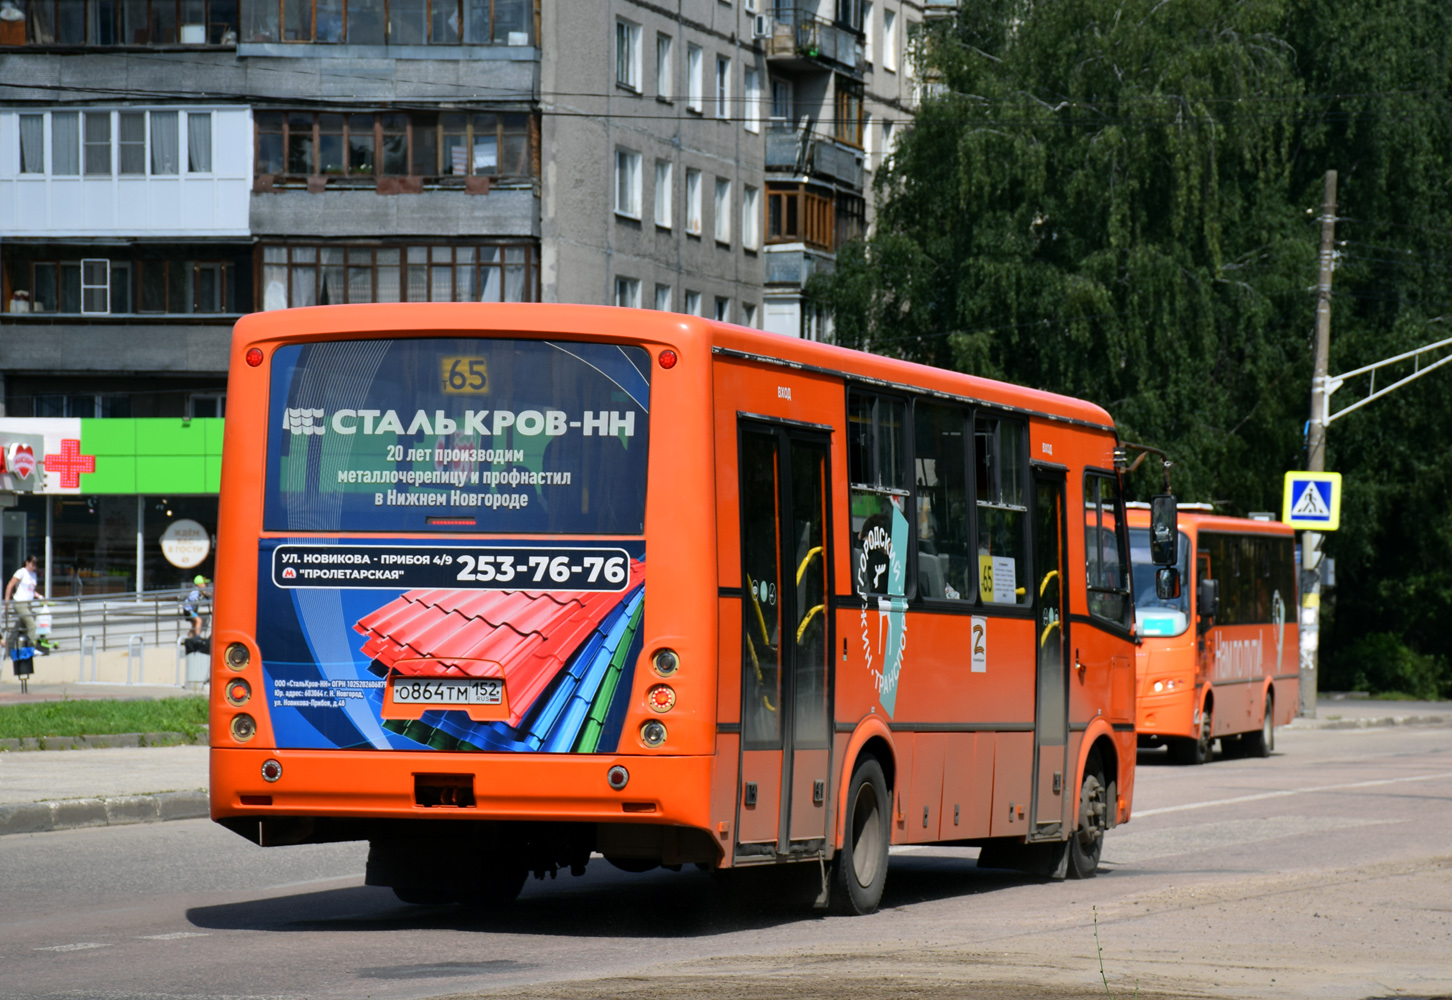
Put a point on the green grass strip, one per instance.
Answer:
(103, 717)
(589, 738)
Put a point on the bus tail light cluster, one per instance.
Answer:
(661, 698)
(652, 734)
(239, 692)
(237, 656)
(244, 727)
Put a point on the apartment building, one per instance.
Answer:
(168, 165)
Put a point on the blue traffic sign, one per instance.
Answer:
(1312, 500)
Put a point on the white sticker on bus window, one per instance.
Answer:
(980, 646)
(1005, 580)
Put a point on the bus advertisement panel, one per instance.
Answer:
(872, 615)
(1221, 660)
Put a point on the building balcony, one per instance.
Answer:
(939, 8)
(794, 264)
(799, 39)
(802, 152)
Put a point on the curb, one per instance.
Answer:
(1374, 723)
(95, 742)
(72, 814)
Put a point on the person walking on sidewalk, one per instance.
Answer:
(21, 591)
(191, 608)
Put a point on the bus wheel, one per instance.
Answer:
(494, 886)
(1262, 743)
(860, 869)
(1087, 844)
(1197, 751)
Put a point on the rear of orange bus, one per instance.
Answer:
(431, 590)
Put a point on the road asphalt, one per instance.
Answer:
(41, 791)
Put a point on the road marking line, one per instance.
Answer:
(81, 946)
(173, 936)
(310, 881)
(1139, 814)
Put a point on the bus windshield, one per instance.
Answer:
(458, 434)
(1157, 617)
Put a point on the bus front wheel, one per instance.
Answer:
(860, 869)
(1197, 751)
(1087, 844)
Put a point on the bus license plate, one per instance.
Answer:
(418, 691)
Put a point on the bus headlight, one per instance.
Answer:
(244, 727)
(237, 656)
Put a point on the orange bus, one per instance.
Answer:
(501, 588)
(1222, 659)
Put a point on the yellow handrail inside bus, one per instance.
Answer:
(1049, 576)
(802, 628)
(802, 569)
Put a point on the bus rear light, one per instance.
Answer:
(652, 734)
(239, 692)
(271, 769)
(668, 359)
(666, 662)
(254, 357)
(617, 777)
(237, 656)
(244, 727)
(661, 698)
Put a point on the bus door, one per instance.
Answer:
(785, 645)
(1051, 701)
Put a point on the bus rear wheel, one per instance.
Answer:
(1261, 744)
(1087, 844)
(859, 871)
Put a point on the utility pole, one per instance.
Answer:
(1310, 621)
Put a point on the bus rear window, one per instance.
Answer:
(458, 434)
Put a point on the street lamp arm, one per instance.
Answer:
(1335, 383)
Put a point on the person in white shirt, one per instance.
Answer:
(21, 591)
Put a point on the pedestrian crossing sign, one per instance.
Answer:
(1312, 500)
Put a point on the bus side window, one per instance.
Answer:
(1001, 496)
(877, 474)
(941, 475)
(1105, 577)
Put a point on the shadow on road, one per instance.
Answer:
(659, 904)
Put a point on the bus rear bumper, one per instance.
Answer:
(346, 784)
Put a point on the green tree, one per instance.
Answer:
(1117, 200)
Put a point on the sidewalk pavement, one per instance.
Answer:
(42, 791)
(63, 690)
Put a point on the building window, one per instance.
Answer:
(207, 404)
(693, 201)
(695, 84)
(722, 206)
(65, 144)
(627, 183)
(663, 298)
(848, 127)
(442, 148)
(98, 143)
(391, 22)
(325, 274)
(627, 54)
(723, 87)
(889, 140)
(851, 218)
(889, 41)
(663, 88)
(723, 310)
(693, 303)
(781, 100)
(748, 315)
(867, 32)
(849, 14)
(32, 144)
(664, 193)
(796, 213)
(135, 22)
(752, 122)
(750, 215)
(627, 292)
(164, 158)
(146, 278)
(199, 142)
(869, 142)
(95, 286)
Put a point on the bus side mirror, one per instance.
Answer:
(1164, 530)
(1167, 583)
(1209, 599)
